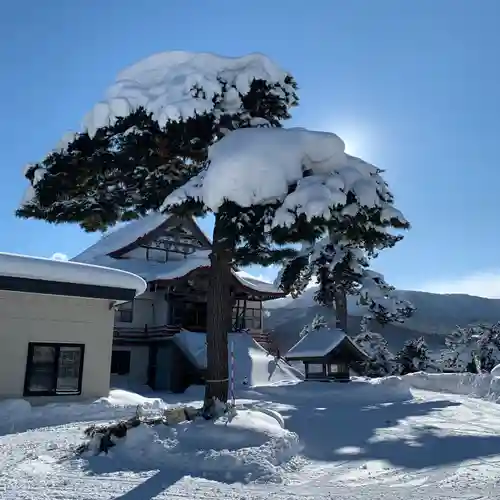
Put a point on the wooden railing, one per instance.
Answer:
(167, 331)
(146, 332)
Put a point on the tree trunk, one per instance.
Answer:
(340, 298)
(219, 302)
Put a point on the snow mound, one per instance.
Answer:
(18, 414)
(123, 398)
(165, 85)
(253, 364)
(252, 446)
(484, 386)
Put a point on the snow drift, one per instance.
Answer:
(253, 364)
(484, 386)
(252, 446)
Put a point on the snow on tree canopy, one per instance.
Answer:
(178, 84)
(254, 166)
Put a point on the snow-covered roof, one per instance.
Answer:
(37, 268)
(157, 271)
(127, 233)
(254, 283)
(122, 235)
(316, 343)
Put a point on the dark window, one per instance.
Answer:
(246, 317)
(315, 369)
(124, 313)
(54, 369)
(120, 362)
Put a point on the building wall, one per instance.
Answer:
(139, 357)
(28, 318)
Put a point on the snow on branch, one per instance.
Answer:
(178, 84)
(382, 299)
(306, 172)
(341, 264)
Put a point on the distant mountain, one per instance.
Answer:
(436, 315)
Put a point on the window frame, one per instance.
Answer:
(245, 316)
(316, 372)
(55, 372)
(119, 312)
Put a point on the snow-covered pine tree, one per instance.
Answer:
(385, 304)
(138, 146)
(382, 361)
(267, 186)
(463, 344)
(489, 346)
(414, 357)
(340, 267)
(273, 187)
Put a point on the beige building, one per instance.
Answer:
(172, 255)
(56, 327)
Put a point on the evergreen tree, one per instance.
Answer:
(147, 160)
(465, 345)
(382, 361)
(126, 168)
(341, 269)
(414, 357)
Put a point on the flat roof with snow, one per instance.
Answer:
(21, 273)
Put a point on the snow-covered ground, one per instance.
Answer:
(368, 440)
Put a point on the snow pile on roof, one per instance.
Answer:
(243, 158)
(166, 85)
(251, 446)
(250, 281)
(253, 364)
(22, 266)
(316, 343)
(122, 235)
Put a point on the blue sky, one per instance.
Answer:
(411, 86)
